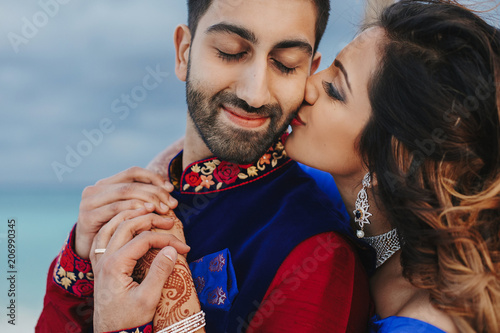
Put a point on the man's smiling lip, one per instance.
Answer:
(242, 118)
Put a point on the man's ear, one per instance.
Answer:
(182, 42)
(315, 63)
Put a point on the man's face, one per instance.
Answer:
(248, 66)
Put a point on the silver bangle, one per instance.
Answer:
(189, 325)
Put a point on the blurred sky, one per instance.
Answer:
(64, 78)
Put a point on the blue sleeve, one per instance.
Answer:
(327, 184)
(396, 324)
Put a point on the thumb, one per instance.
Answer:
(161, 268)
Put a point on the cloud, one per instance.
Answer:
(65, 79)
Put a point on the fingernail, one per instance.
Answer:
(163, 206)
(149, 205)
(170, 253)
(169, 186)
(173, 201)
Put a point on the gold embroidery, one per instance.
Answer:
(215, 175)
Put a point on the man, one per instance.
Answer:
(239, 196)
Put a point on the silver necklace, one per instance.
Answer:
(385, 245)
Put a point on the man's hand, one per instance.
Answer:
(119, 302)
(128, 190)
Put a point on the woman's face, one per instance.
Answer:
(336, 109)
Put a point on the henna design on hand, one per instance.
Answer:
(179, 299)
(176, 293)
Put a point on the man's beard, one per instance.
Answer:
(229, 143)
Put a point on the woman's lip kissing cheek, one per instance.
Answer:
(297, 121)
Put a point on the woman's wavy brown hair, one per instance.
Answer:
(433, 143)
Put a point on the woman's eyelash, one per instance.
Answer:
(332, 91)
(230, 57)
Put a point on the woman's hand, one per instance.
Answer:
(119, 301)
(128, 190)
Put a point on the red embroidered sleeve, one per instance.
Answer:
(73, 273)
(68, 302)
(320, 287)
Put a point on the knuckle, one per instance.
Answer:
(100, 182)
(127, 226)
(87, 191)
(126, 189)
(151, 219)
(161, 192)
(134, 170)
(99, 236)
(135, 204)
(144, 235)
(105, 232)
(115, 209)
(151, 197)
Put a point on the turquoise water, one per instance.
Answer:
(43, 221)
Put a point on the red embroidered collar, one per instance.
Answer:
(213, 175)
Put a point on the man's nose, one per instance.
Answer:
(253, 85)
(311, 93)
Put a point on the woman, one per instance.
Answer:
(407, 121)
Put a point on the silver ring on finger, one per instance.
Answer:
(99, 251)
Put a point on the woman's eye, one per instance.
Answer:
(284, 69)
(230, 57)
(332, 91)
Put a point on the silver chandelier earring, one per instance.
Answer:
(361, 213)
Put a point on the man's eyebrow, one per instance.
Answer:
(233, 29)
(342, 68)
(288, 44)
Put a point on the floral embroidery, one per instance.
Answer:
(227, 172)
(266, 159)
(206, 181)
(199, 284)
(217, 263)
(214, 175)
(217, 296)
(83, 288)
(73, 273)
(193, 179)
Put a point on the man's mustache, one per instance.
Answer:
(227, 98)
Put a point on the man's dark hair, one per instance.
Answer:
(198, 8)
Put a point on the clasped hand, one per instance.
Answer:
(118, 214)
